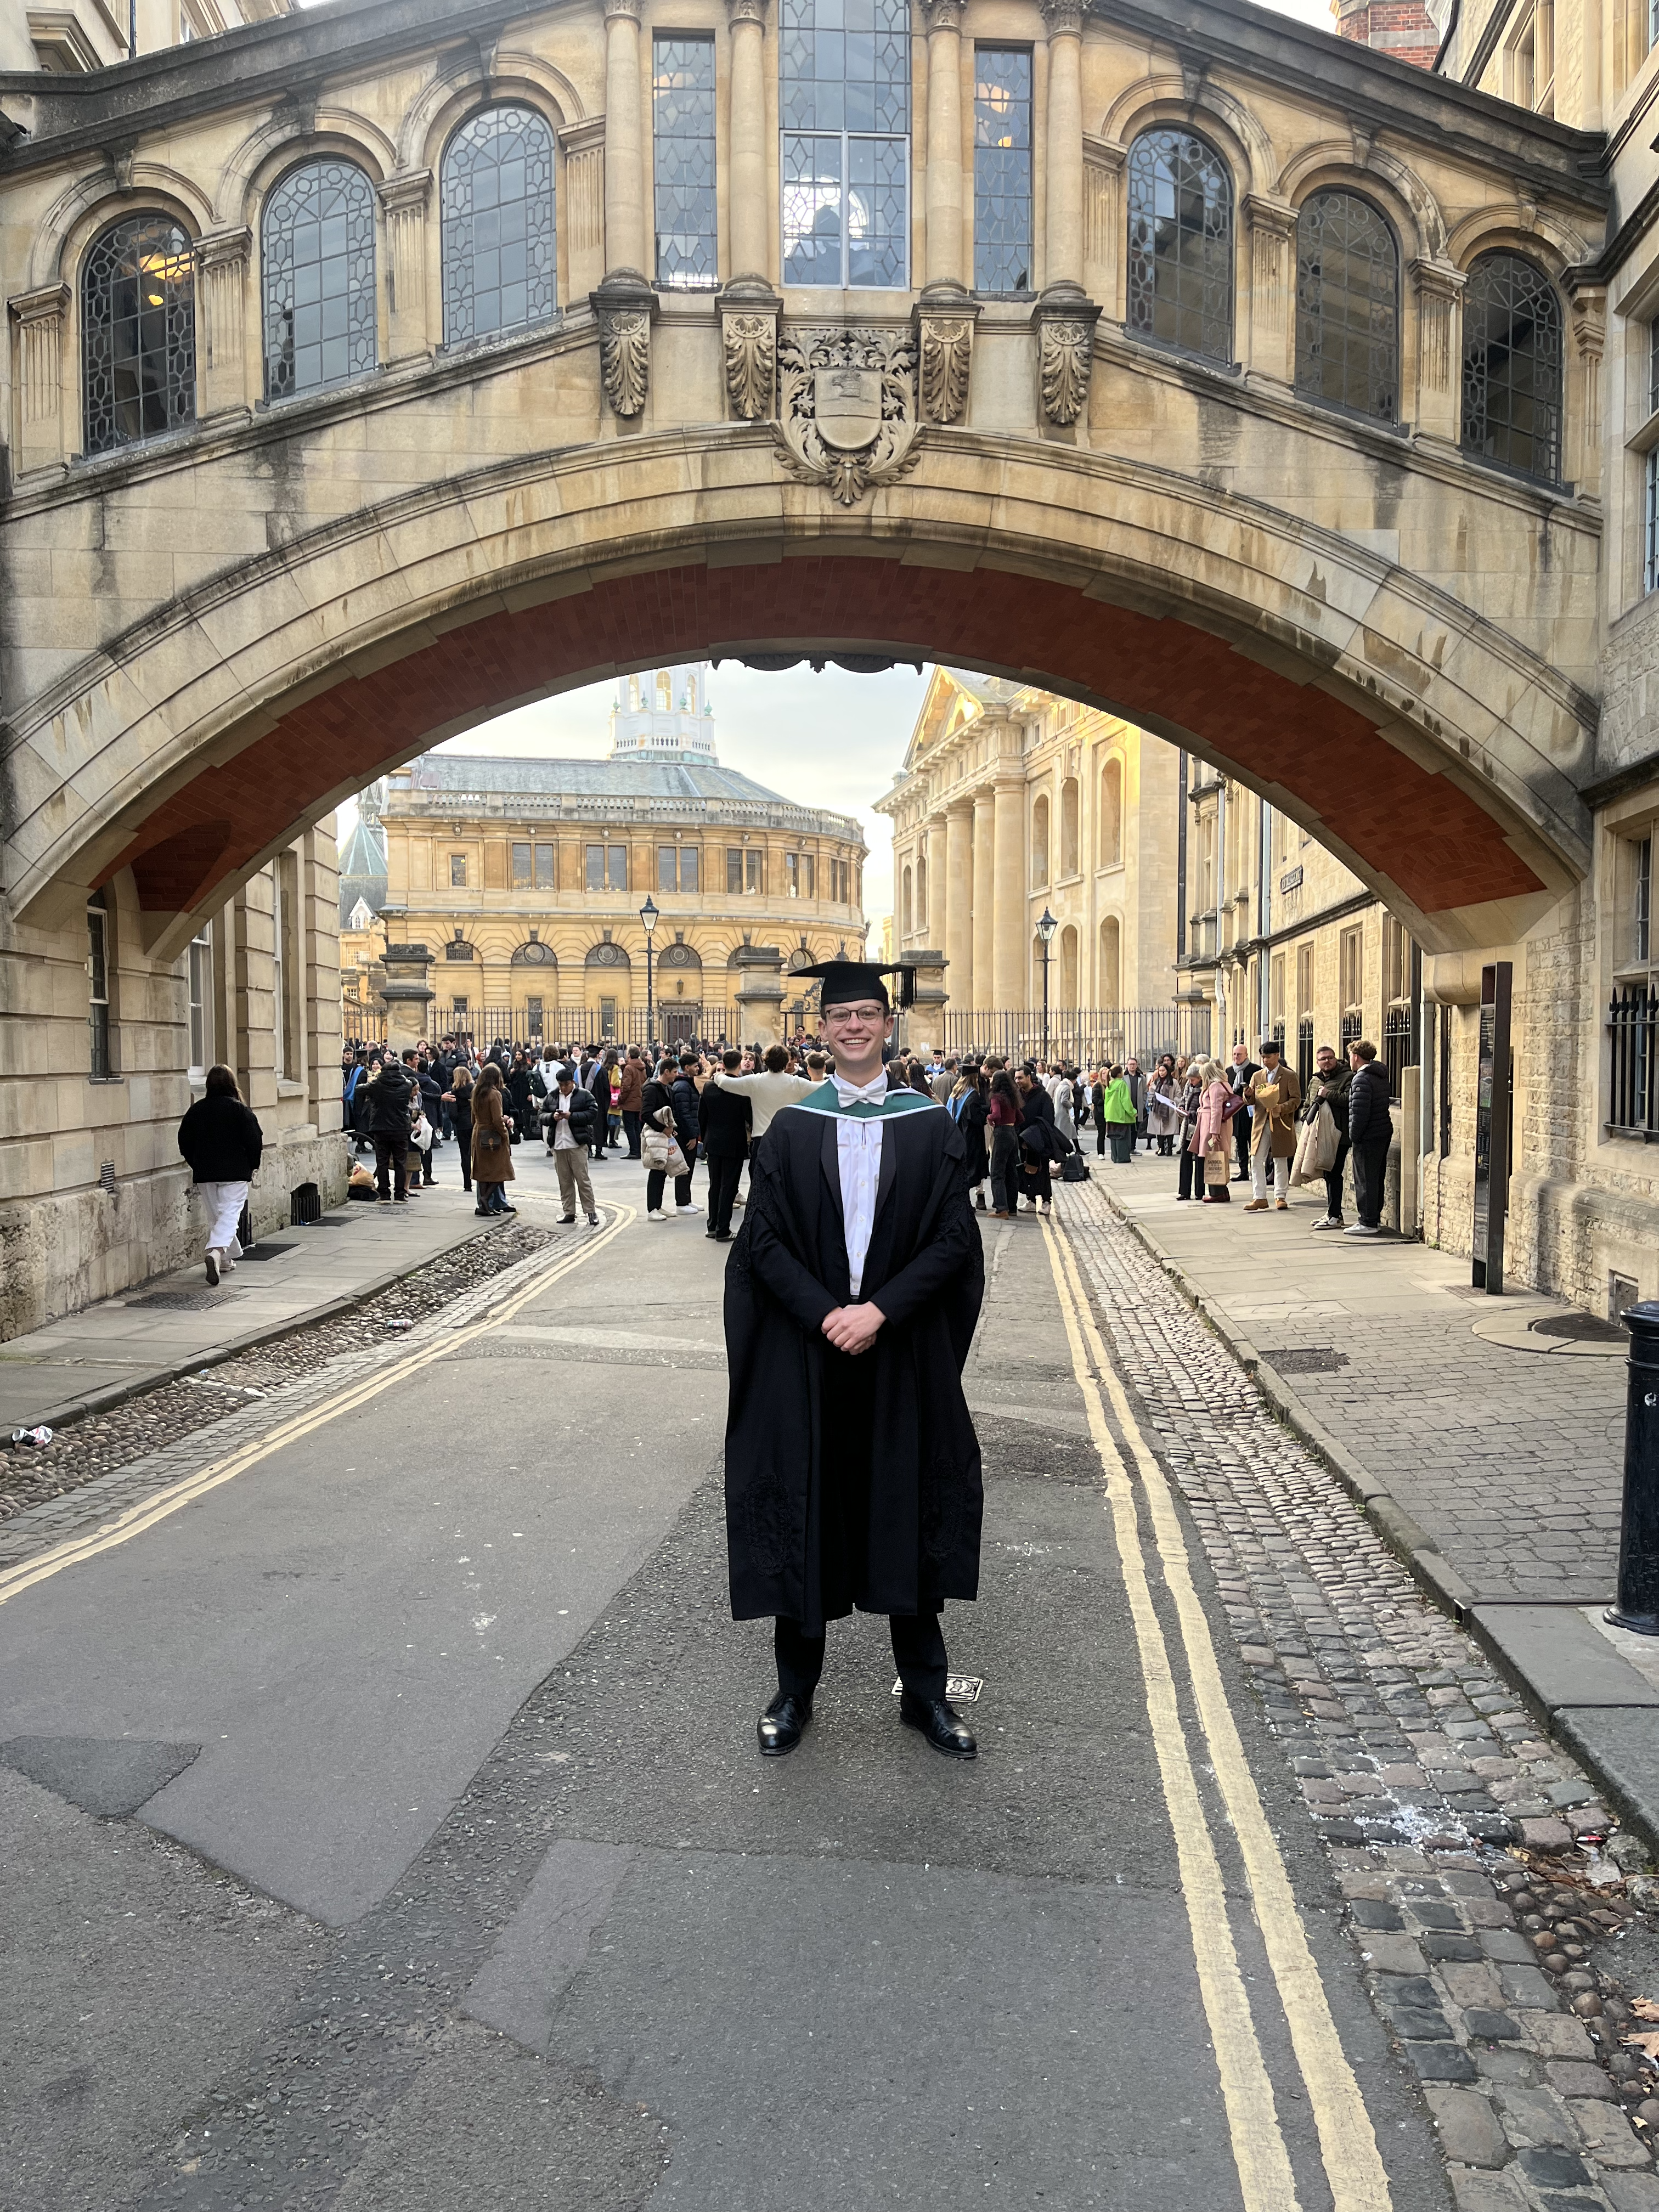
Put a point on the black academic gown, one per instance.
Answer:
(852, 1481)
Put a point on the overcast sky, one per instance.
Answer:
(830, 740)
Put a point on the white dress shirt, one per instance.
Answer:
(858, 1144)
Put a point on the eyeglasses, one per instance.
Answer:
(855, 1013)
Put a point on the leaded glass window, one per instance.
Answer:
(138, 332)
(1181, 243)
(499, 250)
(1347, 306)
(1512, 366)
(683, 145)
(1650, 520)
(1002, 169)
(844, 94)
(318, 262)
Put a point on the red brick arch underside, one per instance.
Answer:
(1419, 830)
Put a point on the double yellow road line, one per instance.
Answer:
(1353, 2165)
(162, 1502)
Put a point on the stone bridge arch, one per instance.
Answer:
(1430, 749)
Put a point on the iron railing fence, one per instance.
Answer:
(1086, 1035)
(1399, 1047)
(1633, 1037)
(1304, 1052)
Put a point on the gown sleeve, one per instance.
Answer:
(944, 1261)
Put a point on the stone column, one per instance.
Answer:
(959, 909)
(1582, 457)
(1011, 955)
(625, 304)
(404, 199)
(759, 994)
(1273, 289)
(38, 317)
(943, 198)
(626, 233)
(222, 266)
(749, 198)
(984, 917)
(1439, 288)
(1065, 317)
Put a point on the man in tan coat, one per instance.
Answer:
(1274, 1094)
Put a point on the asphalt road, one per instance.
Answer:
(475, 1892)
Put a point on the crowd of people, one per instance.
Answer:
(1244, 1121)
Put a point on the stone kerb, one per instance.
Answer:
(192, 686)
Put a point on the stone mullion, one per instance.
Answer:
(1581, 456)
(1439, 288)
(984, 887)
(39, 318)
(222, 354)
(405, 198)
(582, 208)
(958, 937)
(1268, 347)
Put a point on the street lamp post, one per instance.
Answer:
(649, 918)
(1046, 929)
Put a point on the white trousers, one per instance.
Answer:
(1281, 1168)
(224, 1202)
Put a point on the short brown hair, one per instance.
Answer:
(777, 1059)
(1364, 1050)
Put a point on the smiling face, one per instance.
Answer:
(856, 1033)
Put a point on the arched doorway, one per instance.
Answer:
(534, 977)
(680, 993)
(608, 979)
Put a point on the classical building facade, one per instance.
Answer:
(68, 37)
(525, 879)
(1288, 401)
(1012, 804)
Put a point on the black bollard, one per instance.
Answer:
(1637, 1603)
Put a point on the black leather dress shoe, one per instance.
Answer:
(942, 1725)
(780, 1726)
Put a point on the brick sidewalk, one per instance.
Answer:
(1510, 1460)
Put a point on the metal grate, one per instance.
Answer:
(179, 1301)
(268, 1251)
(1399, 1047)
(1633, 1040)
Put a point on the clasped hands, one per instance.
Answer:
(854, 1329)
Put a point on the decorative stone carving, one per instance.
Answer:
(847, 408)
(745, 11)
(626, 306)
(39, 317)
(1064, 323)
(583, 212)
(749, 336)
(946, 344)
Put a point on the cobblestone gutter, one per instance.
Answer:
(1505, 1925)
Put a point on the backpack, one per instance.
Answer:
(1074, 1169)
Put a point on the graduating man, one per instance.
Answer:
(852, 1467)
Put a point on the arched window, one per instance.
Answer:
(137, 332)
(500, 259)
(1512, 366)
(665, 692)
(1110, 980)
(1347, 306)
(318, 261)
(907, 910)
(1181, 243)
(1040, 840)
(1111, 814)
(1068, 829)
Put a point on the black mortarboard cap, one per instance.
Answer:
(844, 980)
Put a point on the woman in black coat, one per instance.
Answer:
(968, 1108)
(1039, 1142)
(223, 1141)
(459, 1099)
(522, 1107)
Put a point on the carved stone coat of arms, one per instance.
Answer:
(847, 408)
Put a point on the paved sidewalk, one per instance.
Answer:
(95, 1358)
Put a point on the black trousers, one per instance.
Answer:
(631, 1124)
(918, 1649)
(391, 1155)
(1333, 1183)
(1242, 1141)
(1005, 1170)
(1100, 1140)
(724, 1177)
(654, 1182)
(1370, 1168)
(1192, 1175)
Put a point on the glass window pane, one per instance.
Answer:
(844, 66)
(830, 51)
(458, 872)
(520, 867)
(1512, 366)
(544, 854)
(878, 177)
(1181, 243)
(137, 332)
(813, 210)
(319, 269)
(1002, 169)
(1347, 306)
(596, 867)
(733, 868)
(687, 868)
(683, 148)
(618, 868)
(500, 250)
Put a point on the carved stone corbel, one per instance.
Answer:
(1064, 320)
(625, 307)
(749, 311)
(38, 317)
(944, 318)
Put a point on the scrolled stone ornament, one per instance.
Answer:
(1067, 351)
(625, 360)
(946, 355)
(847, 410)
(751, 361)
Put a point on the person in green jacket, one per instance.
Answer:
(1118, 1112)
